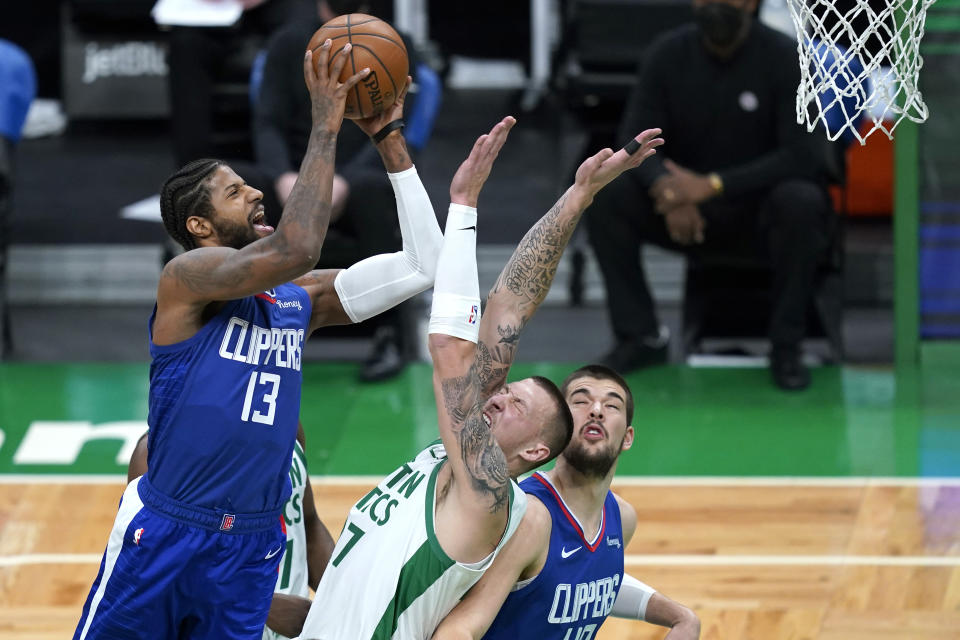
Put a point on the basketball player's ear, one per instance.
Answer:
(199, 227)
(627, 438)
(536, 453)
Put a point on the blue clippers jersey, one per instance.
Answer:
(574, 592)
(224, 405)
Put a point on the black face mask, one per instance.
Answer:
(720, 23)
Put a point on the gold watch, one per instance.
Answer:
(716, 183)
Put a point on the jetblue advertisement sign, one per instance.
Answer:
(106, 77)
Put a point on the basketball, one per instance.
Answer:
(375, 45)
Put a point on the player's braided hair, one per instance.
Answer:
(186, 194)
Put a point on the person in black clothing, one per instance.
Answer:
(737, 175)
(364, 221)
(201, 56)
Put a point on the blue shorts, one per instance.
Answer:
(175, 571)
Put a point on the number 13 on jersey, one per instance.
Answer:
(267, 384)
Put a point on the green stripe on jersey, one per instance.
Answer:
(419, 573)
(297, 449)
(428, 510)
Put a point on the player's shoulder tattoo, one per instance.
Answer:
(197, 271)
(463, 400)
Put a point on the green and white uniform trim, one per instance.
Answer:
(388, 577)
(292, 578)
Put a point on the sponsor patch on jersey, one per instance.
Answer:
(271, 297)
(613, 542)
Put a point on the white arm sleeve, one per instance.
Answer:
(632, 599)
(456, 294)
(383, 281)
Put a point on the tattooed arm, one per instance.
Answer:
(461, 368)
(525, 280)
(479, 465)
(222, 273)
(465, 377)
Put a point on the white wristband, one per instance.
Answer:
(457, 316)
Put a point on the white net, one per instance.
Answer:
(859, 65)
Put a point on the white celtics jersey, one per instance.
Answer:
(388, 576)
(292, 577)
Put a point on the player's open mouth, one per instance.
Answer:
(487, 419)
(594, 431)
(259, 222)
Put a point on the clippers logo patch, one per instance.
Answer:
(227, 523)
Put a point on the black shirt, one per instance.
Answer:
(736, 117)
(282, 118)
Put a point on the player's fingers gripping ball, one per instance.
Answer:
(375, 45)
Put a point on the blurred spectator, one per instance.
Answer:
(199, 58)
(18, 87)
(737, 175)
(364, 221)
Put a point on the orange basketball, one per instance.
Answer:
(375, 45)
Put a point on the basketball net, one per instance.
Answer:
(843, 88)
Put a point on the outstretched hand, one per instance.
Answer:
(474, 171)
(328, 96)
(599, 170)
(373, 124)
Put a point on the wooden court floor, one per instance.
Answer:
(757, 560)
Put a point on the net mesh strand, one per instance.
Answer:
(842, 87)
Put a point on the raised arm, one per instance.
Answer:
(380, 282)
(223, 273)
(479, 466)
(525, 280)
